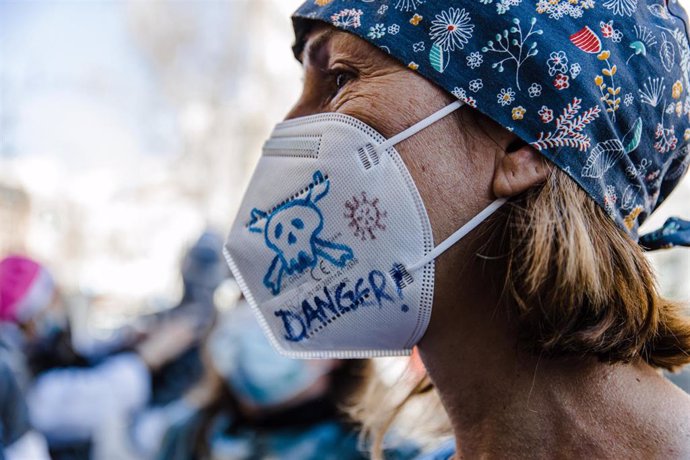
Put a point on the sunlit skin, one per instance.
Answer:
(503, 403)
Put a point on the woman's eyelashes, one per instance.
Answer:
(340, 77)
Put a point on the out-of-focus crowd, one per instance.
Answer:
(183, 384)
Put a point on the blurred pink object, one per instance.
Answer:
(26, 288)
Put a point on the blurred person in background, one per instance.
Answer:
(17, 439)
(375, 222)
(68, 400)
(34, 320)
(256, 404)
(27, 292)
(202, 270)
(137, 435)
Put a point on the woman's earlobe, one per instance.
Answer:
(517, 169)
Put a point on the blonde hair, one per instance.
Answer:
(578, 285)
(575, 284)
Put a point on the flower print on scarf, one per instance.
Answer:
(606, 28)
(635, 171)
(557, 9)
(408, 5)
(348, 17)
(645, 40)
(476, 85)
(667, 53)
(597, 66)
(676, 89)
(546, 114)
(515, 48)
(665, 137)
(376, 31)
(675, 108)
(652, 91)
(506, 96)
(518, 113)
(608, 31)
(561, 81)
(609, 95)
(569, 128)
(631, 218)
(607, 153)
(470, 101)
(459, 93)
(474, 59)
(621, 7)
(534, 90)
(557, 62)
(589, 42)
(502, 6)
(610, 200)
(451, 29)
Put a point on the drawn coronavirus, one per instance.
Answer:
(365, 216)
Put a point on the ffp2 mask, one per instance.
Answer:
(332, 245)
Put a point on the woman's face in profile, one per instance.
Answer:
(345, 74)
(452, 162)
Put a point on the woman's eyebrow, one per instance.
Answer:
(314, 46)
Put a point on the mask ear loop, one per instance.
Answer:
(400, 274)
(417, 127)
(459, 234)
(403, 275)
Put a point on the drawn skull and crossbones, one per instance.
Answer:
(292, 232)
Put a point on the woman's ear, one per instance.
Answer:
(518, 168)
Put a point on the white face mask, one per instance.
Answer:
(332, 246)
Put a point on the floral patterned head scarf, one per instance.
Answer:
(599, 87)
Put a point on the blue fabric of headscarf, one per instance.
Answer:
(600, 87)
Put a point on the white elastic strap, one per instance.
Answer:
(460, 233)
(417, 127)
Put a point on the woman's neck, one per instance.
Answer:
(503, 401)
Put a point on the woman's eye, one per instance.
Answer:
(341, 79)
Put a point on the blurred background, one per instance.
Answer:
(129, 127)
(127, 130)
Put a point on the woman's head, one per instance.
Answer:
(27, 293)
(573, 282)
(583, 147)
(455, 166)
(577, 81)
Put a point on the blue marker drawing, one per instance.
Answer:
(292, 232)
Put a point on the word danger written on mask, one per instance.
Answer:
(338, 297)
